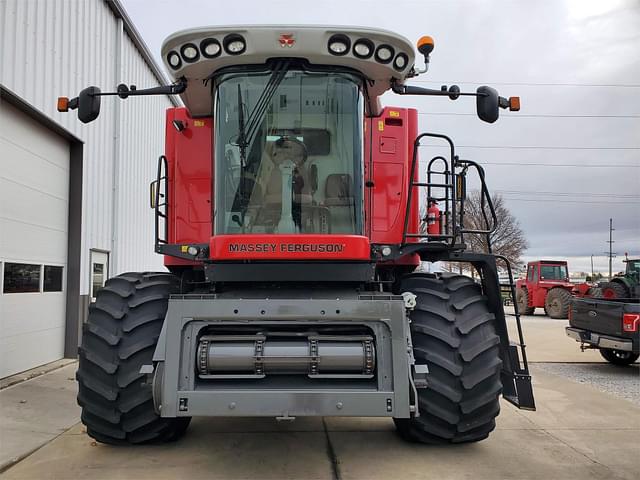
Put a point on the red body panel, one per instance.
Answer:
(189, 212)
(391, 148)
(290, 247)
(388, 152)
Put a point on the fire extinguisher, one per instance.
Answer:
(433, 218)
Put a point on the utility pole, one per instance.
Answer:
(611, 241)
(592, 275)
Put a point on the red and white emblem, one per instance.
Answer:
(287, 40)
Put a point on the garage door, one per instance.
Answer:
(34, 189)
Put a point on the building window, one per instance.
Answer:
(21, 278)
(52, 278)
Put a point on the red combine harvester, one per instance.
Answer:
(547, 286)
(287, 211)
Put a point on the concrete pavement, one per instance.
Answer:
(36, 411)
(547, 340)
(577, 432)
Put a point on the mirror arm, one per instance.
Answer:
(127, 91)
(453, 92)
(124, 91)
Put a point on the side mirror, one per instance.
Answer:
(89, 104)
(487, 104)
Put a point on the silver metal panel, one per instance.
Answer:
(57, 47)
(599, 340)
(293, 403)
(616, 344)
(187, 317)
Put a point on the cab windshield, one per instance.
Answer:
(553, 272)
(288, 146)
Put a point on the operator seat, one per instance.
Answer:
(338, 192)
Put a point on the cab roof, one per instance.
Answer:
(196, 54)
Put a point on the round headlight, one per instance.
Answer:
(401, 61)
(384, 53)
(190, 52)
(363, 48)
(234, 44)
(339, 44)
(173, 59)
(210, 48)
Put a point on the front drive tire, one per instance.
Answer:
(453, 332)
(119, 337)
(618, 357)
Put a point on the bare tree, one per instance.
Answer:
(508, 239)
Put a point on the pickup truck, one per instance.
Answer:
(611, 325)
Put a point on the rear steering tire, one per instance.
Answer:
(557, 303)
(453, 333)
(619, 357)
(119, 337)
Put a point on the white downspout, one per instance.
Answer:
(115, 186)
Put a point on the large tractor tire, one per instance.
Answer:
(119, 337)
(557, 303)
(453, 333)
(613, 290)
(522, 298)
(618, 357)
(595, 292)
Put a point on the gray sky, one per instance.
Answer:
(574, 63)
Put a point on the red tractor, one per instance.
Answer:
(547, 286)
(287, 210)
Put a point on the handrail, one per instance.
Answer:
(161, 182)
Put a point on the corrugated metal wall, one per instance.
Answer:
(57, 47)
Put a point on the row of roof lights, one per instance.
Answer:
(364, 48)
(233, 44)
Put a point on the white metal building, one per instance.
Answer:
(73, 197)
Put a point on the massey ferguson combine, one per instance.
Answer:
(287, 210)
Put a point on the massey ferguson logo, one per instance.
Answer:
(287, 40)
(286, 248)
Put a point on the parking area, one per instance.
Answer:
(585, 427)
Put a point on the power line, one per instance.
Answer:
(536, 147)
(572, 165)
(567, 194)
(534, 84)
(554, 200)
(529, 115)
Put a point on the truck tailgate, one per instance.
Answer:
(601, 316)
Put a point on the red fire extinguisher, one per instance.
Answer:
(433, 218)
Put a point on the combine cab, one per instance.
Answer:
(287, 210)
